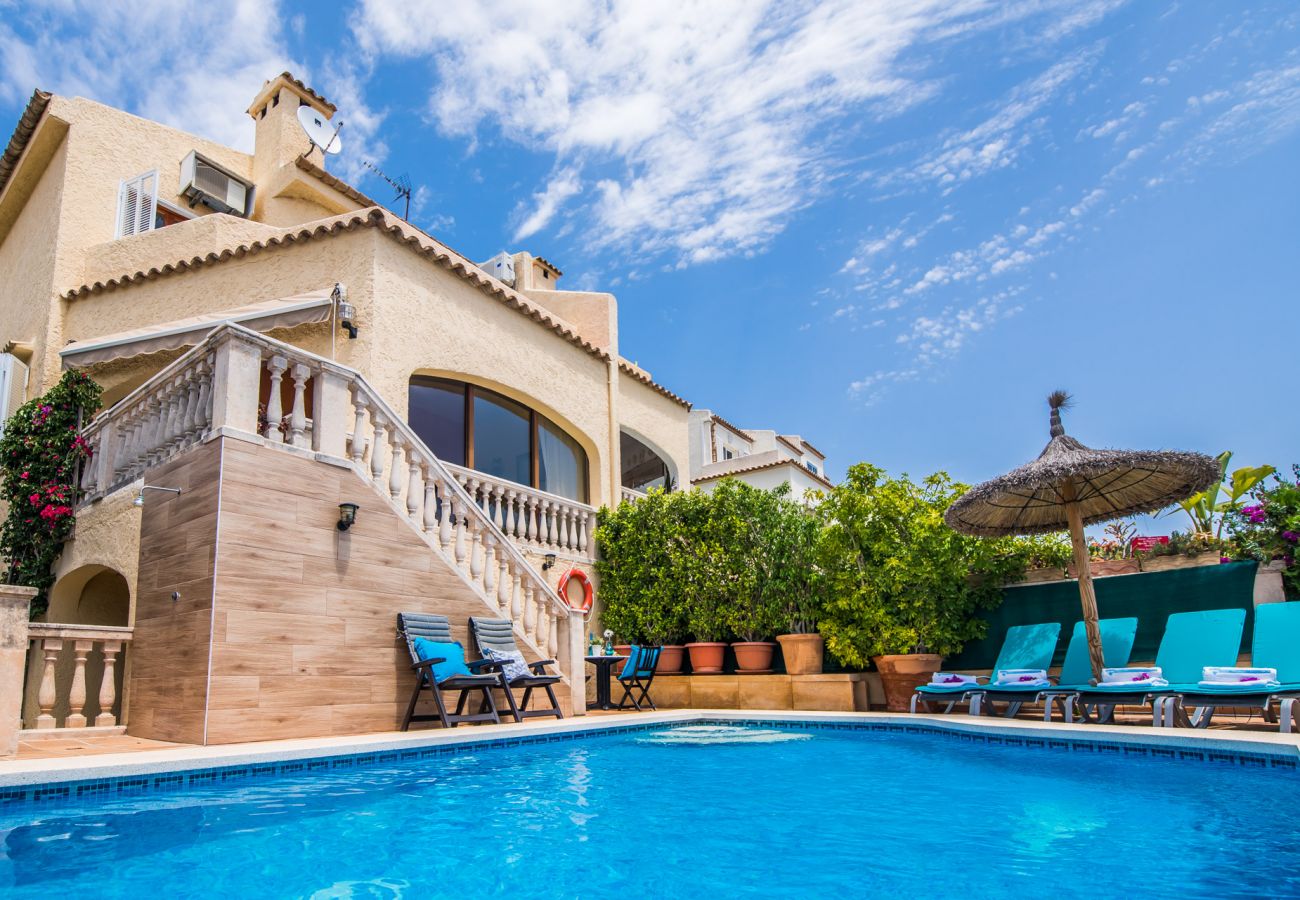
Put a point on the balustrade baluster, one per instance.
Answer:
(397, 469)
(430, 501)
(298, 414)
(566, 530)
(516, 596)
(108, 686)
(378, 448)
(414, 490)
(548, 524)
(530, 610)
(553, 641)
(274, 403)
(527, 503)
(444, 513)
(462, 523)
(189, 418)
(358, 450)
(204, 418)
(511, 518)
(475, 540)
(489, 565)
(584, 521)
(77, 694)
(48, 694)
(495, 492)
(503, 581)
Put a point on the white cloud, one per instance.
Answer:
(703, 126)
(563, 185)
(195, 66)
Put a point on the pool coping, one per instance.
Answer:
(36, 780)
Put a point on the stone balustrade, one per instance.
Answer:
(64, 693)
(547, 523)
(468, 518)
(149, 426)
(630, 495)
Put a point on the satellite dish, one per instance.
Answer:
(318, 130)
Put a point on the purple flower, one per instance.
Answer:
(1290, 536)
(1225, 559)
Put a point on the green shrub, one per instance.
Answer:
(899, 580)
(40, 452)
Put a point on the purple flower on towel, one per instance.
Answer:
(1025, 678)
(1142, 676)
(1246, 678)
(952, 679)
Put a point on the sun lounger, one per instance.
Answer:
(1191, 641)
(439, 666)
(496, 644)
(1274, 645)
(1116, 642)
(1024, 647)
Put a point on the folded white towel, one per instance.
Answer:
(1244, 687)
(1137, 676)
(951, 678)
(1021, 677)
(1238, 675)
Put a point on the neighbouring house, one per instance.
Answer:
(762, 458)
(273, 343)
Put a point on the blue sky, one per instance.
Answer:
(890, 227)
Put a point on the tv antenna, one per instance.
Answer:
(401, 185)
(318, 131)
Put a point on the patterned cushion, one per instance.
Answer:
(514, 665)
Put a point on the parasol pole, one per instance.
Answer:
(1083, 565)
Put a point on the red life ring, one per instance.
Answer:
(587, 595)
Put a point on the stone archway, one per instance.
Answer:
(90, 595)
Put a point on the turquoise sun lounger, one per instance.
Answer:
(1274, 645)
(1191, 641)
(1116, 644)
(1024, 647)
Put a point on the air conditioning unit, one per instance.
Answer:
(203, 181)
(501, 267)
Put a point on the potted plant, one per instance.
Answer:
(707, 622)
(798, 586)
(903, 589)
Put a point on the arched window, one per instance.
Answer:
(642, 467)
(471, 426)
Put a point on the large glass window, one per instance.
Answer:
(475, 427)
(437, 413)
(502, 438)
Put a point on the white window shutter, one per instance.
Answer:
(13, 386)
(137, 204)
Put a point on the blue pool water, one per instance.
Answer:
(685, 812)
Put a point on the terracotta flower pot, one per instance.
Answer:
(901, 674)
(802, 653)
(754, 657)
(623, 649)
(706, 657)
(671, 657)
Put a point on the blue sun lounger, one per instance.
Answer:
(1024, 647)
(1274, 645)
(1116, 644)
(1191, 641)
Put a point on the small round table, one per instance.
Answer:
(604, 669)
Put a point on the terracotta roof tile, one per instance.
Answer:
(548, 264)
(812, 448)
(650, 382)
(740, 431)
(22, 134)
(375, 217)
(762, 466)
(789, 443)
(319, 98)
(333, 181)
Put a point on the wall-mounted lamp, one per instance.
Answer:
(344, 311)
(139, 496)
(347, 515)
(549, 563)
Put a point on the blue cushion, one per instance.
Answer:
(629, 667)
(452, 654)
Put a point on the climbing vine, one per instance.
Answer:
(40, 451)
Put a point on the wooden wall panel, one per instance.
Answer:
(305, 642)
(169, 655)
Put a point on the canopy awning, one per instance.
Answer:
(266, 316)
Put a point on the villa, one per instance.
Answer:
(758, 457)
(271, 344)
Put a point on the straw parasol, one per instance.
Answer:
(1070, 486)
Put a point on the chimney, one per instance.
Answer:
(535, 273)
(279, 139)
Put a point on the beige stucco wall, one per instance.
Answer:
(107, 534)
(594, 315)
(658, 422)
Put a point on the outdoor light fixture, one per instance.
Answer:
(550, 561)
(346, 312)
(347, 515)
(139, 496)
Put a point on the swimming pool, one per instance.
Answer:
(703, 810)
